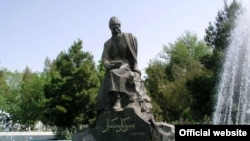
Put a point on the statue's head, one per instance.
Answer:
(115, 26)
(114, 21)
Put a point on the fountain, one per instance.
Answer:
(233, 94)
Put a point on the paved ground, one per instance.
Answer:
(26, 136)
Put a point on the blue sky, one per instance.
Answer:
(31, 30)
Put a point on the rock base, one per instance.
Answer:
(126, 125)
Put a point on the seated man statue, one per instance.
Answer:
(122, 81)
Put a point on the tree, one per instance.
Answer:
(32, 100)
(218, 35)
(9, 95)
(185, 50)
(168, 77)
(154, 83)
(72, 89)
(4, 90)
(101, 70)
(12, 95)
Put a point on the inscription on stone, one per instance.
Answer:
(118, 125)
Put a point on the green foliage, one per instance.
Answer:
(153, 83)
(63, 133)
(218, 34)
(71, 89)
(4, 90)
(21, 95)
(180, 64)
(101, 70)
(184, 77)
(183, 54)
(200, 88)
(10, 92)
(27, 101)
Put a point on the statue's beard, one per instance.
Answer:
(116, 34)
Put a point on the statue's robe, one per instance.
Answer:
(125, 78)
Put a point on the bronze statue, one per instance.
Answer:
(123, 107)
(122, 82)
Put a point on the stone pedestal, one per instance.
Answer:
(126, 125)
